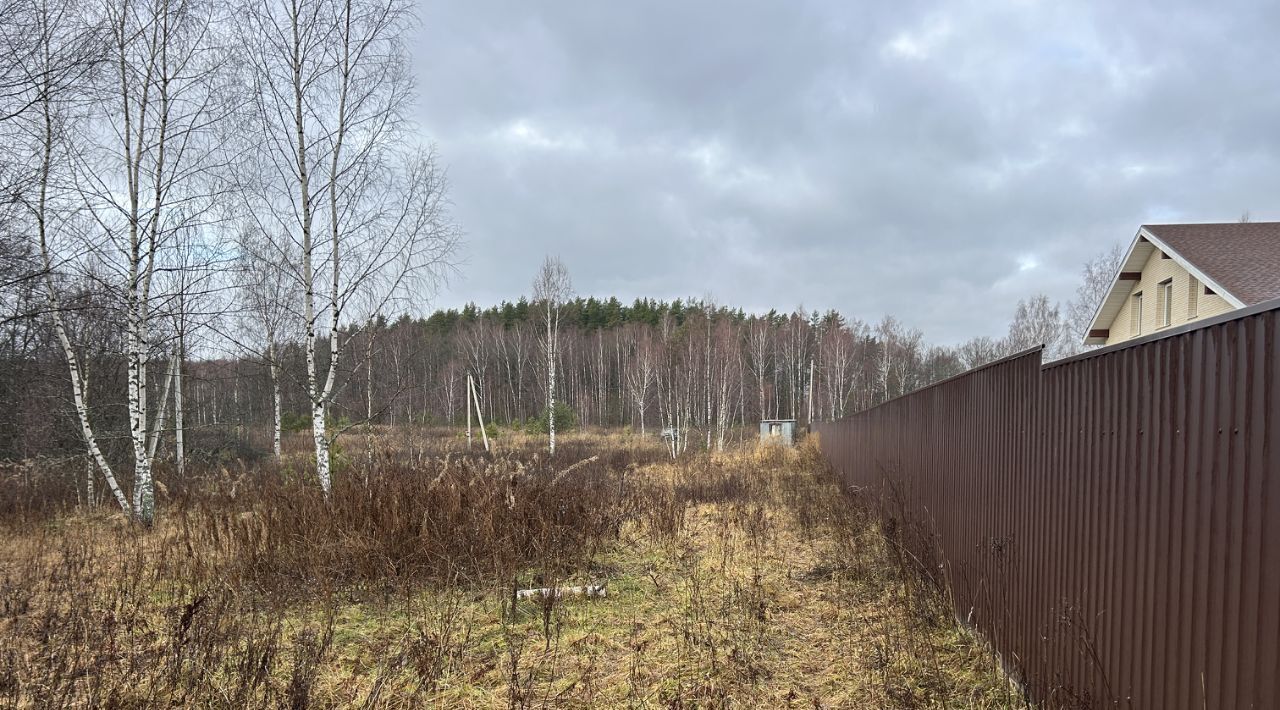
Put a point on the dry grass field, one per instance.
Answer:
(744, 579)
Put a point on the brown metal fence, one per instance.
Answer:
(1111, 522)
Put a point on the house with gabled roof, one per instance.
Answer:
(1177, 273)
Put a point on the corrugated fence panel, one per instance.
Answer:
(1110, 523)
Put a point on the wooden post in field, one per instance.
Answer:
(471, 392)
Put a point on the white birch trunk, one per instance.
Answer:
(143, 486)
(179, 423)
(82, 411)
(551, 382)
(368, 400)
(157, 427)
(321, 441)
(79, 379)
(275, 401)
(318, 437)
(709, 385)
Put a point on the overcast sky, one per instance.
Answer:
(937, 161)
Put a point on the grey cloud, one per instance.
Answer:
(936, 161)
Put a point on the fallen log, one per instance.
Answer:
(590, 590)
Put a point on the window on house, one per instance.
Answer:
(1164, 302)
(1135, 314)
(1193, 297)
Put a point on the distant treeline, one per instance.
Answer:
(696, 368)
(587, 313)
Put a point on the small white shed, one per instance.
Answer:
(778, 431)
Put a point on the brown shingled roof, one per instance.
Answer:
(1243, 257)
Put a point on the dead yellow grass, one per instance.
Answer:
(738, 580)
(742, 607)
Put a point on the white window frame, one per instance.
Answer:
(1166, 303)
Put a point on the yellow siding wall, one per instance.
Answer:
(1156, 270)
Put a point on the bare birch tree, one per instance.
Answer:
(266, 297)
(194, 283)
(898, 364)
(339, 182)
(726, 380)
(836, 353)
(758, 344)
(642, 371)
(46, 108)
(980, 350)
(144, 184)
(119, 178)
(551, 288)
(1095, 280)
(1036, 321)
